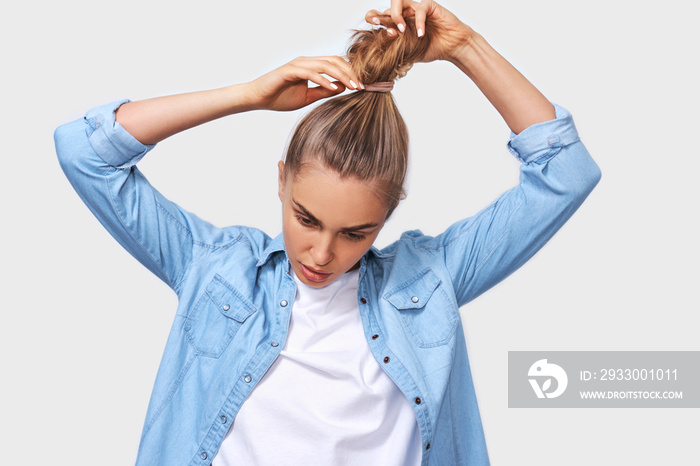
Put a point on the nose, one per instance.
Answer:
(322, 250)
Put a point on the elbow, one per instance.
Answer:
(573, 185)
(590, 177)
(62, 137)
(582, 174)
(73, 150)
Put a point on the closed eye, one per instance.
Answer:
(354, 236)
(305, 221)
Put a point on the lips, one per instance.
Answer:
(313, 274)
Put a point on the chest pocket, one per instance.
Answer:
(426, 310)
(216, 317)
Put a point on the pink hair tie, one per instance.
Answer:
(383, 86)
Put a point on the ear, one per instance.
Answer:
(280, 180)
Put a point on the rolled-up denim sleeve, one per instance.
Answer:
(556, 175)
(98, 156)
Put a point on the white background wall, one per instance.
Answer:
(84, 325)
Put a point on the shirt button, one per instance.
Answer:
(247, 378)
(283, 303)
(386, 359)
(427, 447)
(375, 336)
(274, 343)
(417, 400)
(223, 419)
(226, 307)
(203, 455)
(363, 300)
(414, 299)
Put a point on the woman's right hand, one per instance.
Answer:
(287, 87)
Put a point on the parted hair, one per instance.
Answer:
(362, 134)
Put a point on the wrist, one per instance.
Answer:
(238, 98)
(241, 98)
(467, 52)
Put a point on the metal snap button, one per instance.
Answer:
(247, 378)
(414, 299)
(283, 303)
(226, 307)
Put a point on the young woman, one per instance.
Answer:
(314, 347)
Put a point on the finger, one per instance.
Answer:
(344, 66)
(384, 18)
(378, 18)
(301, 72)
(336, 68)
(317, 93)
(313, 69)
(396, 11)
(421, 9)
(373, 17)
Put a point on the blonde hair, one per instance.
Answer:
(362, 134)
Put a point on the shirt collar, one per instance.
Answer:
(276, 245)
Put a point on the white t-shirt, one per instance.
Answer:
(325, 400)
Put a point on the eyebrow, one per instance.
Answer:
(306, 212)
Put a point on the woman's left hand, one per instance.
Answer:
(514, 97)
(452, 34)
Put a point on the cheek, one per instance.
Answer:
(353, 252)
(296, 237)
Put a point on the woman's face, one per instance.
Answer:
(328, 222)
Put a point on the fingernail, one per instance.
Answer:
(420, 33)
(376, 21)
(334, 86)
(362, 86)
(390, 32)
(401, 27)
(353, 84)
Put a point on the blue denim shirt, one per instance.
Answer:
(236, 293)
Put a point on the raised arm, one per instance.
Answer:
(556, 171)
(283, 89)
(99, 153)
(514, 97)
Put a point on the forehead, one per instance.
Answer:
(334, 200)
